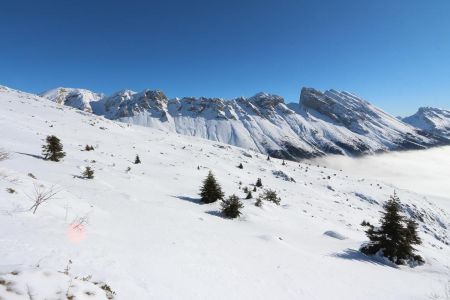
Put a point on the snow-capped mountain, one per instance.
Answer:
(138, 231)
(78, 98)
(330, 122)
(431, 119)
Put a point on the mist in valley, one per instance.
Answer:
(423, 171)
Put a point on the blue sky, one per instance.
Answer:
(395, 54)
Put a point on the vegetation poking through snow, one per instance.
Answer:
(231, 207)
(41, 195)
(395, 238)
(88, 173)
(11, 190)
(211, 191)
(270, 196)
(3, 155)
(53, 149)
(258, 183)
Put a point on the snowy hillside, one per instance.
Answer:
(140, 231)
(331, 122)
(430, 119)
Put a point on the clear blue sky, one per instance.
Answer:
(394, 53)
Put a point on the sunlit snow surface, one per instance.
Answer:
(144, 233)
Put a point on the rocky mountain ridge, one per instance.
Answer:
(329, 122)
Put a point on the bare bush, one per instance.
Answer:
(3, 155)
(41, 195)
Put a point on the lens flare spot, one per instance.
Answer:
(76, 232)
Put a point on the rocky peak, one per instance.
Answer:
(341, 107)
(266, 101)
(432, 120)
(76, 98)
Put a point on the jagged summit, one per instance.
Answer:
(322, 122)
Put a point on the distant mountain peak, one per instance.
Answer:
(74, 97)
(430, 119)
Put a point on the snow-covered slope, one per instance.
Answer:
(330, 122)
(432, 120)
(143, 232)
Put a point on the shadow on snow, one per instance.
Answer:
(352, 254)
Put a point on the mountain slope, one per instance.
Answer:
(143, 232)
(433, 120)
(331, 122)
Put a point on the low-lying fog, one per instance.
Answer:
(424, 171)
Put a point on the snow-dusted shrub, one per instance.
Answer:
(3, 155)
(231, 207)
(258, 182)
(271, 196)
(88, 173)
(11, 190)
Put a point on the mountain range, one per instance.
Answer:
(329, 122)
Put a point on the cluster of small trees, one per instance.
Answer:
(395, 238)
(53, 150)
(211, 192)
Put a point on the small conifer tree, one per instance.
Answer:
(259, 201)
(53, 149)
(231, 207)
(268, 157)
(88, 173)
(240, 166)
(258, 182)
(395, 238)
(211, 190)
(249, 195)
(254, 188)
(137, 160)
